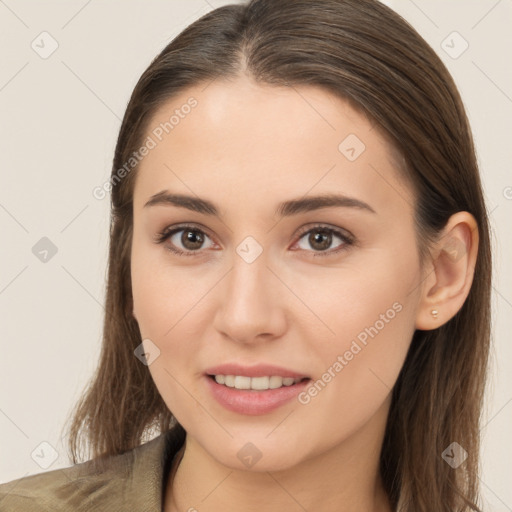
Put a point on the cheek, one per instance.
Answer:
(359, 374)
(164, 301)
(372, 315)
(169, 303)
(162, 294)
(166, 307)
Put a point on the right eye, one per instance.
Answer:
(190, 237)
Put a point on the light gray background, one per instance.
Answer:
(59, 120)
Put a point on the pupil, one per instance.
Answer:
(194, 238)
(317, 239)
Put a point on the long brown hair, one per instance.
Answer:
(365, 53)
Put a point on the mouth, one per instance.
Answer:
(261, 383)
(252, 396)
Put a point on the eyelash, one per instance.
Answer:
(348, 241)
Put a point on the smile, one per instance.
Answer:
(255, 383)
(243, 398)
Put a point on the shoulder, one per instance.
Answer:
(66, 488)
(121, 479)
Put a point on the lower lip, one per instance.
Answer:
(252, 402)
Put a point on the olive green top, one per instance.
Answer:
(133, 481)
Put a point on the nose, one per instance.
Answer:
(251, 307)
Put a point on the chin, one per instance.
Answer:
(256, 453)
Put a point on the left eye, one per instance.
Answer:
(320, 239)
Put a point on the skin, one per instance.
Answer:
(246, 147)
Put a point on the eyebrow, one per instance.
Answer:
(284, 209)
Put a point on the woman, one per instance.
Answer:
(298, 295)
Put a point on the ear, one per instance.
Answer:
(449, 275)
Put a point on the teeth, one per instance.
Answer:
(257, 383)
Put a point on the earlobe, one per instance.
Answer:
(447, 285)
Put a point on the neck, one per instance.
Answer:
(342, 478)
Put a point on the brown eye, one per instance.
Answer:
(184, 240)
(320, 239)
(191, 239)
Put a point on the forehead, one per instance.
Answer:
(259, 141)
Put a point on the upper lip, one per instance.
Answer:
(259, 370)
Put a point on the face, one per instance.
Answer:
(324, 293)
